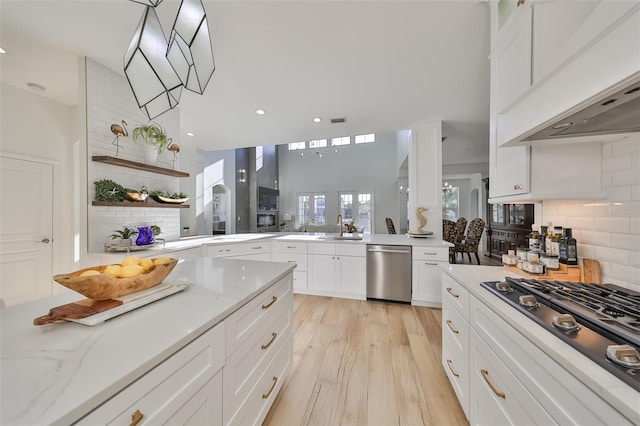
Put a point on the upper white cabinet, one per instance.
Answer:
(542, 50)
(576, 50)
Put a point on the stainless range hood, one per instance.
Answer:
(614, 111)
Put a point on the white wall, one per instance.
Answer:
(218, 168)
(110, 100)
(608, 230)
(33, 127)
(364, 167)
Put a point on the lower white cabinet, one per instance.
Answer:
(513, 381)
(292, 252)
(337, 270)
(427, 275)
(186, 388)
(186, 254)
(259, 351)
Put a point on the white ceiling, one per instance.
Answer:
(381, 64)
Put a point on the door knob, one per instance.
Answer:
(44, 241)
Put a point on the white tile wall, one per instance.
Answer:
(609, 230)
(110, 100)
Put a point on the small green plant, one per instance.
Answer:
(175, 195)
(108, 190)
(156, 230)
(151, 134)
(124, 234)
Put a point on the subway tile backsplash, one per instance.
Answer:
(110, 100)
(608, 230)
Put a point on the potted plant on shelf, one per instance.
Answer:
(154, 138)
(124, 235)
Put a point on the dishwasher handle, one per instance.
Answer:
(377, 250)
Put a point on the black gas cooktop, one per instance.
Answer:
(602, 321)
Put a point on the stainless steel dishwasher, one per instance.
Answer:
(389, 272)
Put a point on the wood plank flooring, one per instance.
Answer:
(365, 363)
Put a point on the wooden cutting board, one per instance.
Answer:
(76, 310)
(591, 271)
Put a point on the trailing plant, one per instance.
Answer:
(124, 234)
(108, 190)
(151, 134)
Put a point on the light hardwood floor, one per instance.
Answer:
(365, 363)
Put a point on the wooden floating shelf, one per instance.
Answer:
(139, 166)
(137, 204)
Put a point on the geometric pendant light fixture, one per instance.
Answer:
(153, 3)
(190, 52)
(154, 82)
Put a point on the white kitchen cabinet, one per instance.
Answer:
(426, 275)
(514, 381)
(292, 252)
(184, 389)
(337, 270)
(455, 338)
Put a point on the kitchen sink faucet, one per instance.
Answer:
(340, 224)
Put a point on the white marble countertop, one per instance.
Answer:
(620, 395)
(57, 373)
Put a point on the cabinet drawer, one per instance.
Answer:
(322, 248)
(430, 253)
(244, 321)
(261, 397)
(455, 325)
(223, 250)
(456, 294)
(350, 249)
(455, 362)
(288, 246)
(161, 392)
(300, 259)
(245, 366)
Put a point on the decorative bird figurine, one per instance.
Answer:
(421, 218)
(118, 130)
(175, 149)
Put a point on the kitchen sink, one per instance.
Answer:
(347, 238)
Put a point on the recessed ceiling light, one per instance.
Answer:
(260, 112)
(190, 134)
(2, 50)
(37, 87)
(317, 120)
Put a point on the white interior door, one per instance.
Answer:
(26, 243)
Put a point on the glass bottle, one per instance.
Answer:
(572, 248)
(542, 239)
(549, 238)
(562, 248)
(533, 237)
(555, 242)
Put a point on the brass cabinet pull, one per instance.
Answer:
(256, 248)
(430, 263)
(223, 250)
(451, 328)
(485, 375)
(449, 362)
(452, 293)
(273, 337)
(270, 303)
(517, 186)
(273, 385)
(291, 261)
(429, 254)
(291, 246)
(136, 417)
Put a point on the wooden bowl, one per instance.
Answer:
(137, 196)
(103, 286)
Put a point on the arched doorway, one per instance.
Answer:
(221, 207)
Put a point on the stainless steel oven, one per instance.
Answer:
(267, 221)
